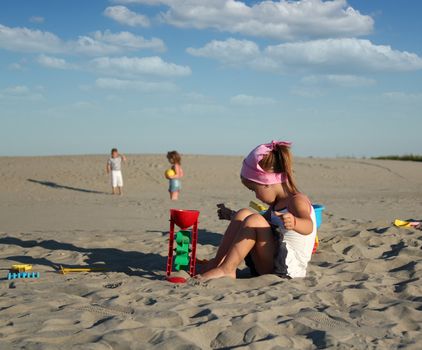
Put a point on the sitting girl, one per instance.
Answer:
(281, 240)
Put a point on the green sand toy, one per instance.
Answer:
(181, 256)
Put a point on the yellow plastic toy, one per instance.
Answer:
(21, 267)
(169, 173)
(257, 206)
(316, 244)
(402, 223)
(65, 270)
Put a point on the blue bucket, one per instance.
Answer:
(318, 208)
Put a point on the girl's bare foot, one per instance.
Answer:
(217, 272)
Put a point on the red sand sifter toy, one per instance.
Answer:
(185, 243)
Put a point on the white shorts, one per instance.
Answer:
(116, 178)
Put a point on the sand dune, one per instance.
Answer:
(363, 289)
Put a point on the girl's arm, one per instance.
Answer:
(108, 167)
(178, 170)
(124, 158)
(298, 218)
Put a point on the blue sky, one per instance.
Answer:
(338, 78)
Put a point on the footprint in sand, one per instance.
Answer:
(105, 310)
(322, 321)
(113, 285)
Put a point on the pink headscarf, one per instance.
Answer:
(251, 170)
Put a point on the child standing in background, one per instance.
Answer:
(114, 166)
(174, 180)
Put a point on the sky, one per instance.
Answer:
(337, 78)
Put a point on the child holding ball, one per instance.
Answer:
(174, 174)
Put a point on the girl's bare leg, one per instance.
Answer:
(228, 239)
(254, 235)
(174, 196)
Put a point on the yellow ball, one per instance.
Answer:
(170, 172)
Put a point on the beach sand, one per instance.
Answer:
(363, 288)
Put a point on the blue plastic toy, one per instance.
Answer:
(13, 275)
(318, 208)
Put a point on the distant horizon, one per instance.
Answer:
(202, 154)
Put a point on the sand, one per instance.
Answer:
(363, 289)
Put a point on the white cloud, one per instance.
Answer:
(54, 62)
(140, 65)
(138, 85)
(16, 90)
(29, 40)
(312, 86)
(124, 67)
(108, 43)
(144, 2)
(36, 19)
(403, 96)
(306, 91)
(344, 55)
(129, 40)
(84, 105)
(197, 97)
(90, 46)
(345, 80)
(236, 53)
(248, 100)
(123, 15)
(19, 39)
(286, 20)
(330, 56)
(198, 109)
(20, 92)
(184, 110)
(15, 66)
(229, 52)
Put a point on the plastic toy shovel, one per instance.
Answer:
(65, 270)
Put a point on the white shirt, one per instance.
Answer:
(299, 247)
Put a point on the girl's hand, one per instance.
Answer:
(224, 213)
(289, 221)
